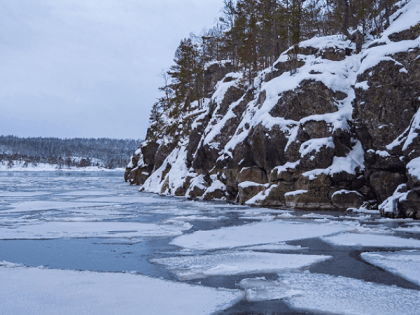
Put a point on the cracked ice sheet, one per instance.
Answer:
(14, 194)
(29, 206)
(371, 240)
(128, 200)
(88, 193)
(275, 246)
(195, 267)
(53, 230)
(411, 229)
(334, 295)
(34, 291)
(405, 264)
(259, 233)
(195, 218)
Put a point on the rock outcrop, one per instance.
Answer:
(341, 132)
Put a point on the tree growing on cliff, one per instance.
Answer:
(185, 74)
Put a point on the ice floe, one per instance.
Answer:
(53, 230)
(37, 291)
(411, 229)
(333, 295)
(405, 264)
(274, 247)
(128, 200)
(40, 205)
(232, 263)
(258, 234)
(371, 240)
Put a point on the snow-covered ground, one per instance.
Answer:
(85, 243)
(19, 166)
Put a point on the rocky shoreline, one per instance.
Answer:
(340, 133)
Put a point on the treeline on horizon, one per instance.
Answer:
(76, 152)
(251, 35)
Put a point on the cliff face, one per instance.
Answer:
(341, 132)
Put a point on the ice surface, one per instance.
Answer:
(405, 264)
(22, 193)
(127, 200)
(259, 289)
(411, 229)
(347, 296)
(88, 193)
(52, 230)
(34, 291)
(257, 233)
(194, 267)
(275, 246)
(333, 295)
(39, 205)
(373, 240)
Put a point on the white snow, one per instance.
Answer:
(274, 247)
(259, 289)
(411, 229)
(323, 293)
(346, 296)
(371, 240)
(257, 234)
(125, 200)
(404, 18)
(40, 205)
(52, 230)
(413, 168)
(247, 184)
(37, 291)
(390, 204)
(19, 166)
(315, 145)
(349, 164)
(405, 264)
(295, 193)
(194, 267)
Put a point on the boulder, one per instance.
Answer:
(247, 190)
(310, 98)
(344, 199)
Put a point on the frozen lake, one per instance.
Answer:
(88, 243)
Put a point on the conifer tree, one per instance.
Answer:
(184, 74)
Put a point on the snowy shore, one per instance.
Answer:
(19, 166)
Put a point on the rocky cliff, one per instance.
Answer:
(340, 132)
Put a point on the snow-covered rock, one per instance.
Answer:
(338, 132)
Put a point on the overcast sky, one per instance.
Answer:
(89, 68)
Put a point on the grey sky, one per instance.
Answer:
(89, 68)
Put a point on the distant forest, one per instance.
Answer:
(78, 152)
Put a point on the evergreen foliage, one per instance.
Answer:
(79, 152)
(251, 35)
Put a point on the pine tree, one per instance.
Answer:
(184, 74)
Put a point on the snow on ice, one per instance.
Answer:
(257, 234)
(38, 291)
(371, 240)
(52, 230)
(405, 264)
(232, 263)
(333, 295)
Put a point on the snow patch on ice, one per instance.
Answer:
(405, 264)
(194, 267)
(258, 233)
(371, 240)
(37, 291)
